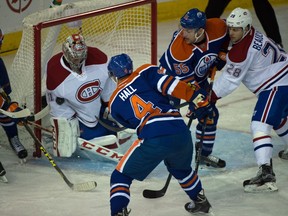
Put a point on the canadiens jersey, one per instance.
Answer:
(257, 62)
(70, 94)
(190, 61)
(140, 102)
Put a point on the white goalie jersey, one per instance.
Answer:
(70, 94)
(258, 72)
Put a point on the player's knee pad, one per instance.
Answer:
(260, 129)
(65, 134)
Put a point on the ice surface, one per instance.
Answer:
(35, 188)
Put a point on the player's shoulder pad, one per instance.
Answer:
(55, 72)
(216, 28)
(95, 56)
(239, 51)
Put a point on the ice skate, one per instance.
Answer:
(124, 212)
(283, 154)
(210, 160)
(265, 181)
(201, 205)
(213, 161)
(18, 147)
(2, 174)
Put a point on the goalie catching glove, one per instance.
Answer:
(199, 103)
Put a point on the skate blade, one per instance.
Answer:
(205, 167)
(3, 179)
(22, 161)
(267, 187)
(210, 213)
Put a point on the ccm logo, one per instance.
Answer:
(102, 151)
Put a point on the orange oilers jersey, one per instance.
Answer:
(192, 61)
(140, 102)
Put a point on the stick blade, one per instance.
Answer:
(151, 194)
(85, 186)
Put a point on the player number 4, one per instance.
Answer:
(141, 107)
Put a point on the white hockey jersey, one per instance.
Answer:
(257, 62)
(70, 94)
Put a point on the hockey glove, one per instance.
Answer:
(11, 107)
(199, 103)
(220, 60)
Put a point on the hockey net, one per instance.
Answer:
(117, 26)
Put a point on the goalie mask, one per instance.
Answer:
(75, 52)
(120, 66)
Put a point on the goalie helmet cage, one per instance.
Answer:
(115, 26)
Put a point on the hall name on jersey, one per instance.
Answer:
(126, 92)
(258, 41)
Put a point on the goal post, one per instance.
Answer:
(115, 26)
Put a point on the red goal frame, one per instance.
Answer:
(37, 48)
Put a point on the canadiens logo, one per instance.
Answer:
(89, 91)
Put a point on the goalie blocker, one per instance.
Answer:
(66, 135)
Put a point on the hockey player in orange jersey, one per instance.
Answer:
(190, 56)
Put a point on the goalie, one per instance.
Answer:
(78, 91)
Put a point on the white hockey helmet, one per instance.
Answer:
(240, 17)
(75, 51)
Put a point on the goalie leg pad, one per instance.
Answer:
(65, 134)
(109, 141)
(123, 137)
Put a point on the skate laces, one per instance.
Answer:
(212, 158)
(191, 205)
(265, 173)
(16, 144)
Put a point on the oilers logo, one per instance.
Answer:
(89, 91)
(204, 64)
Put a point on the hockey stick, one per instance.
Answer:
(200, 144)
(19, 114)
(152, 194)
(40, 114)
(85, 186)
(40, 127)
(114, 129)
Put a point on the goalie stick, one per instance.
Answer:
(152, 194)
(39, 115)
(85, 186)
